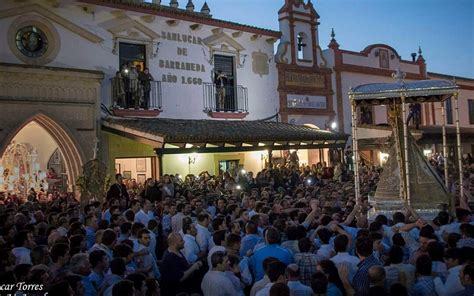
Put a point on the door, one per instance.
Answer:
(225, 64)
(230, 166)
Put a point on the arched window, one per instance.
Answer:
(301, 43)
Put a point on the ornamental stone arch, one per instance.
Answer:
(63, 102)
(68, 145)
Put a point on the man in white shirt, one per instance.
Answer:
(107, 244)
(177, 219)
(63, 226)
(326, 251)
(397, 271)
(341, 243)
(265, 280)
(146, 262)
(23, 242)
(203, 236)
(191, 249)
(215, 282)
(144, 214)
(219, 242)
(294, 283)
(453, 281)
(276, 274)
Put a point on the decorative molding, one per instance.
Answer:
(323, 60)
(271, 40)
(49, 85)
(217, 31)
(255, 37)
(183, 15)
(125, 24)
(148, 18)
(373, 71)
(118, 13)
(281, 52)
(54, 3)
(369, 48)
(218, 39)
(195, 27)
(135, 113)
(260, 63)
(88, 8)
(54, 40)
(172, 23)
(227, 115)
(44, 12)
(237, 34)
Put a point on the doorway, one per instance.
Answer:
(230, 166)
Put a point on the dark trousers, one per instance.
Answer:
(415, 115)
(146, 99)
(128, 99)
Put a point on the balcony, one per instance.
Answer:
(230, 102)
(132, 97)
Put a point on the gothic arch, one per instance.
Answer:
(73, 158)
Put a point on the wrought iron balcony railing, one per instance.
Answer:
(225, 99)
(136, 94)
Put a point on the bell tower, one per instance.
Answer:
(299, 26)
(304, 82)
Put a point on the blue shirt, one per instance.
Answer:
(97, 280)
(90, 237)
(256, 261)
(248, 243)
(333, 290)
(89, 289)
(424, 287)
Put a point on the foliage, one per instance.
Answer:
(93, 182)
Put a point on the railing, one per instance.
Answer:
(136, 94)
(226, 99)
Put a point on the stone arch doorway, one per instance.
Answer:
(63, 141)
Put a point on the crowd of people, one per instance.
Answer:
(131, 87)
(285, 231)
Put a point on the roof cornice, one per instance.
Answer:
(181, 14)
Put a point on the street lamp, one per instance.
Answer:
(191, 160)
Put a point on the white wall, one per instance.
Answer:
(77, 52)
(373, 61)
(130, 164)
(178, 163)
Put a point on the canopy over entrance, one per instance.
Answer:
(176, 136)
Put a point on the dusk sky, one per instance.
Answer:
(443, 28)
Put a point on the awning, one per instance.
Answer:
(175, 136)
(416, 91)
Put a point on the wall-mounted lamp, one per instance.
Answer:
(157, 48)
(242, 59)
(191, 160)
(207, 53)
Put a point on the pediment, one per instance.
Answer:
(48, 14)
(128, 27)
(221, 39)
